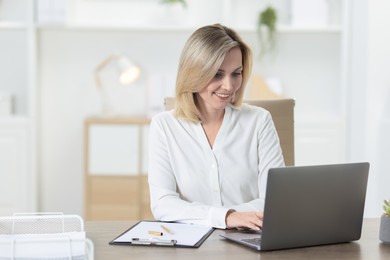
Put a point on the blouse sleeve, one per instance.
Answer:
(269, 155)
(166, 204)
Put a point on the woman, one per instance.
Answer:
(209, 158)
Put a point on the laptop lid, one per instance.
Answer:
(311, 205)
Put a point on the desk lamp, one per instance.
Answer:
(128, 73)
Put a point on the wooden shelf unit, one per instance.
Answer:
(115, 192)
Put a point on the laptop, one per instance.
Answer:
(309, 206)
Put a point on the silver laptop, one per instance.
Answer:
(308, 206)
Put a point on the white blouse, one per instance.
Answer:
(193, 183)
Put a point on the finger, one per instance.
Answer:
(256, 222)
(253, 226)
(259, 214)
(259, 222)
(257, 217)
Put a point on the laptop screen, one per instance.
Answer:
(312, 205)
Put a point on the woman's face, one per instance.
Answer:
(220, 91)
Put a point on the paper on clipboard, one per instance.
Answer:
(189, 235)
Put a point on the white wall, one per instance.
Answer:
(69, 95)
(378, 100)
(369, 97)
(67, 58)
(338, 108)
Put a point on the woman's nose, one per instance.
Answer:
(227, 83)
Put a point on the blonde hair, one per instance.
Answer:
(200, 60)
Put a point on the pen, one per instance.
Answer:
(140, 241)
(155, 233)
(167, 230)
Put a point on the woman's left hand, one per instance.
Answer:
(251, 219)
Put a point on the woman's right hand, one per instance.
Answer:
(252, 219)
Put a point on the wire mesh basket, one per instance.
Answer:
(44, 236)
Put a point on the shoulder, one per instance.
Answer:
(168, 120)
(165, 117)
(246, 111)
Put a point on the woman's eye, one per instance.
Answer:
(218, 75)
(236, 74)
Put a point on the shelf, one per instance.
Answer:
(13, 119)
(12, 26)
(110, 169)
(292, 29)
(102, 119)
(296, 29)
(182, 28)
(146, 28)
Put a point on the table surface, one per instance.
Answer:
(102, 232)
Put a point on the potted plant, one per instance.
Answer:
(173, 12)
(173, 2)
(266, 29)
(384, 230)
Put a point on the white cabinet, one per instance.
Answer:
(114, 149)
(17, 52)
(17, 119)
(115, 179)
(17, 185)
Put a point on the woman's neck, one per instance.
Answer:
(212, 117)
(211, 123)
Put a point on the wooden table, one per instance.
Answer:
(101, 232)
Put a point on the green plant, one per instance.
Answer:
(267, 21)
(170, 2)
(386, 207)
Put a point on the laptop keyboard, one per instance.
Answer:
(254, 241)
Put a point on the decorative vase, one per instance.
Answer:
(384, 229)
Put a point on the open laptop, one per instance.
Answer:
(308, 206)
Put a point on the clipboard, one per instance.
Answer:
(165, 234)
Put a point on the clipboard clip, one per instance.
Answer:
(153, 241)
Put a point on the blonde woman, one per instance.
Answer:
(209, 157)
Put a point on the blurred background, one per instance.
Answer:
(59, 62)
